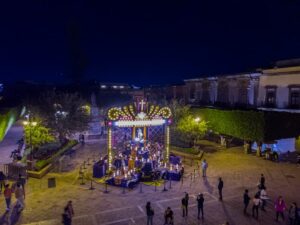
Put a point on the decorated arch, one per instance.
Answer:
(139, 123)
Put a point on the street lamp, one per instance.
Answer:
(30, 124)
(197, 119)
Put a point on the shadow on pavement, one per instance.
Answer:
(15, 215)
(207, 185)
(4, 219)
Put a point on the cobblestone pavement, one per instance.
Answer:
(239, 171)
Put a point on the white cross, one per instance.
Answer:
(142, 103)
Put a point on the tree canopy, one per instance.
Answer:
(63, 113)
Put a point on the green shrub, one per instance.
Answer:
(40, 164)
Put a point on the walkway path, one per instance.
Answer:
(8, 144)
(239, 171)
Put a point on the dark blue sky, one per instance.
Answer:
(144, 42)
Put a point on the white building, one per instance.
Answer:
(279, 88)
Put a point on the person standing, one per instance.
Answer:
(150, 213)
(220, 188)
(186, 203)
(262, 181)
(293, 214)
(200, 201)
(2, 181)
(256, 203)
(204, 167)
(66, 220)
(246, 201)
(263, 197)
(20, 195)
(280, 208)
(7, 195)
(70, 210)
(169, 216)
(183, 206)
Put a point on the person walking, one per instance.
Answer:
(220, 188)
(246, 201)
(21, 180)
(69, 206)
(262, 181)
(293, 214)
(150, 213)
(200, 201)
(169, 219)
(20, 195)
(204, 167)
(256, 203)
(263, 197)
(7, 195)
(66, 220)
(280, 208)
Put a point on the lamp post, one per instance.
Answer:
(30, 124)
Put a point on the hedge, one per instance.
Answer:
(40, 164)
(251, 125)
(192, 151)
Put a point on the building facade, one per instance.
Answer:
(279, 88)
(229, 91)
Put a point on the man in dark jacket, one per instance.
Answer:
(200, 201)
(246, 201)
(220, 188)
(66, 220)
(183, 206)
(262, 181)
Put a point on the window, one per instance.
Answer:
(295, 97)
(270, 96)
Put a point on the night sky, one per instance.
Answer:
(144, 42)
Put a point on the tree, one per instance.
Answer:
(191, 129)
(38, 135)
(63, 113)
(179, 110)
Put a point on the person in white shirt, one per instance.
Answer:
(256, 202)
(264, 198)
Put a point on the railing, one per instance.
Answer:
(12, 170)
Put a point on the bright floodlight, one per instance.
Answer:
(25, 123)
(34, 123)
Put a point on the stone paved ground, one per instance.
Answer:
(44, 206)
(9, 143)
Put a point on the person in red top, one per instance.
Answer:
(7, 195)
(280, 208)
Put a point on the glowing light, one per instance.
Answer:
(103, 86)
(109, 149)
(140, 123)
(197, 119)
